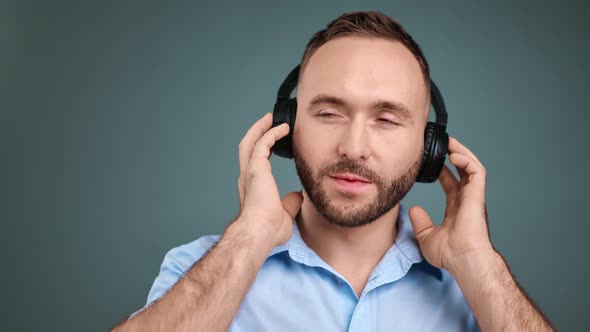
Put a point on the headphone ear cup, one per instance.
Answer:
(436, 147)
(284, 112)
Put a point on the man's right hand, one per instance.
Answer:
(218, 282)
(261, 207)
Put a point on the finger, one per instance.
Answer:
(292, 203)
(471, 172)
(252, 136)
(266, 142)
(466, 164)
(456, 146)
(460, 171)
(449, 183)
(240, 191)
(421, 223)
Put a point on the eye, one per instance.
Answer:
(386, 121)
(326, 115)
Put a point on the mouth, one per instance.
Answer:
(350, 184)
(349, 177)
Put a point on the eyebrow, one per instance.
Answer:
(393, 106)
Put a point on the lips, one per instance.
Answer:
(350, 177)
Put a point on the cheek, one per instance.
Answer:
(399, 150)
(314, 141)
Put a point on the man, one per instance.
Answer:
(344, 254)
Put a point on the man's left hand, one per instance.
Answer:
(463, 235)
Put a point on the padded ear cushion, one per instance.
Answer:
(284, 112)
(436, 145)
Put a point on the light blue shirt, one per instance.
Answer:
(295, 290)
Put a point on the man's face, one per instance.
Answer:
(361, 113)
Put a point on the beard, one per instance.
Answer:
(354, 214)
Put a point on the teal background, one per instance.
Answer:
(120, 124)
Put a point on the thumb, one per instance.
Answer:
(292, 203)
(421, 222)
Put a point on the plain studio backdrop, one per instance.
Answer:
(120, 126)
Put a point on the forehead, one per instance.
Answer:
(361, 70)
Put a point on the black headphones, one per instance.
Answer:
(436, 139)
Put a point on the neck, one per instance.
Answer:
(349, 250)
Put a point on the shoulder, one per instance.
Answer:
(456, 303)
(177, 261)
(441, 295)
(439, 283)
(185, 255)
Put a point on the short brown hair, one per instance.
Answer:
(368, 24)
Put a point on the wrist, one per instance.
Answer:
(476, 263)
(256, 234)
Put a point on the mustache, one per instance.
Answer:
(349, 166)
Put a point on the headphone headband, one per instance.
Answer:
(436, 99)
(289, 84)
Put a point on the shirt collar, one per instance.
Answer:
(395, 263)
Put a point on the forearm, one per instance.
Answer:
(207, 297)
(495, 298)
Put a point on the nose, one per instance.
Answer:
(355, 141)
